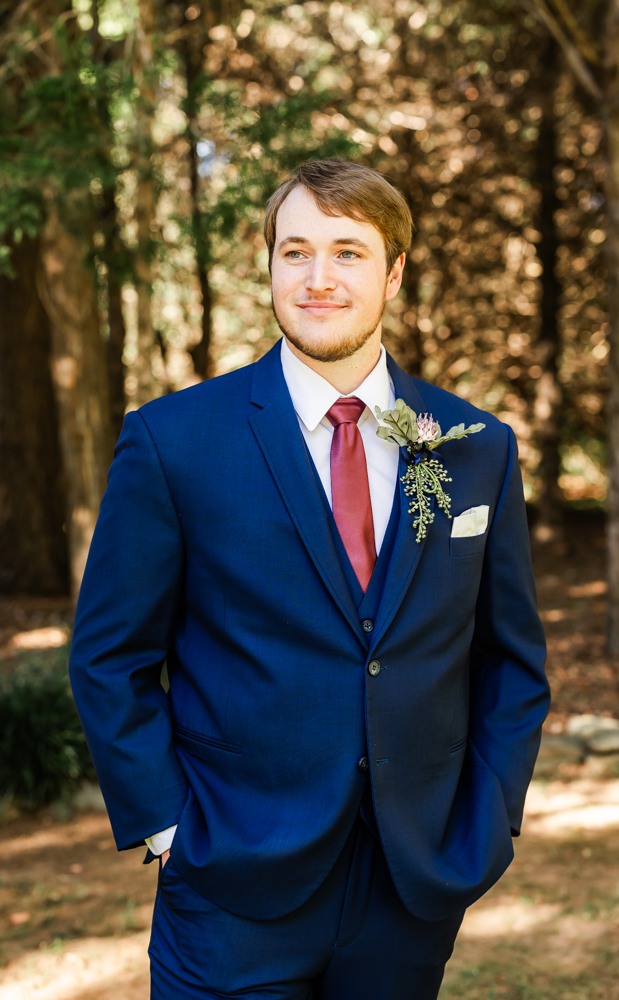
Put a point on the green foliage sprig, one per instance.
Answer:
(423, 479)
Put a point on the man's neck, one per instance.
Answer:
(348, 374)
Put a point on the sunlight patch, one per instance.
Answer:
(70, 975)
(514, 916)
(556, 808)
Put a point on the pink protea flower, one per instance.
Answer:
(427, 427)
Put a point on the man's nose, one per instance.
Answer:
(320, 276)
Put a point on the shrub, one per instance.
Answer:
(43, 752)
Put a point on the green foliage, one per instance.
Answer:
(57, 142)
(426, 473)
(401, 424)
(43, 752)
(404, 428)
(261, 146)
(422, 481)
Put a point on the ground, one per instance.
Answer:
(74, 914)
(548, 931)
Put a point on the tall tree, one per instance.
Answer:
(33, 545)
(145, 203)
(191, 45)
(69, 294)
(598, 74)
(548, 393)
(117, 267)
(56, 132)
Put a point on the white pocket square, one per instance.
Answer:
(473, 521)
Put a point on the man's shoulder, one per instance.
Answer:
(223, 393)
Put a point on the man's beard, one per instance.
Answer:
(336, 351)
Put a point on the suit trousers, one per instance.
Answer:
(352, 940)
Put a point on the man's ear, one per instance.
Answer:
(394, 281)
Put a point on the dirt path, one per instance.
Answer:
(548, 931)
(74, 914)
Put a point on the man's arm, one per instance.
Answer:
(509, 690)
(123, 629)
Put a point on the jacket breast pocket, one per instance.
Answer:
(471, 545)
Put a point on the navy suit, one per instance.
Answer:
(217, 552)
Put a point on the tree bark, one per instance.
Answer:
(145, 201)
(548, 396)
(79, 375)
(201, 352)
(191, 53)
(115, 258)
(611, 126)
(114, 354)
(33, 547)
(412, 357)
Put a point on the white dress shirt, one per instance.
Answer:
(312, 397)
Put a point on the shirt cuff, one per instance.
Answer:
(162, 841)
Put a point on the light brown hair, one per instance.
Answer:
(351, 190)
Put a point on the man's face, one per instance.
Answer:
(329, 279)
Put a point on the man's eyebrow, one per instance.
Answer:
(294, 239)
(343, 241)
(351, 242)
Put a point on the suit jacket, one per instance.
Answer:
(215, 551)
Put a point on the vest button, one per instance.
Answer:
(373, 668)
(367, 625)
(363, 764)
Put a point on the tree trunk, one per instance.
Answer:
(145, 212)
(548, 396)
(33, 547)
(145, 202)
(201, 352)
(69, 293)
(191, 53)
(611, 125)
(412, 357)
(114, 257)
(114, 354)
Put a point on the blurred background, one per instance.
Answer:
(139, 142)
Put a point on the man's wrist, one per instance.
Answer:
(162, 841)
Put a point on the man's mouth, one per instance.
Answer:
(321, 308)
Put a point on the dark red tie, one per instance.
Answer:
(350, 490)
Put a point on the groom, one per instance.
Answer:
(353, 714)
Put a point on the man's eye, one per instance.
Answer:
(348, 254)
(295, 254)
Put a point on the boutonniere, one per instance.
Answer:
(420, 436)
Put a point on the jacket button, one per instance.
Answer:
(367, 625)
(363, 764)
(373, 668)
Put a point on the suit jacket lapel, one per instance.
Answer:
(279, 436)
(406, 550)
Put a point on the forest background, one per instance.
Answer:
(139, 142)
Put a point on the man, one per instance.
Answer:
(354, 710)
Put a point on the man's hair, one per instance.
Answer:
(348, 189)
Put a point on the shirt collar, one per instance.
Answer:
(312, 396)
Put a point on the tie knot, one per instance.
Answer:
(346, 411)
